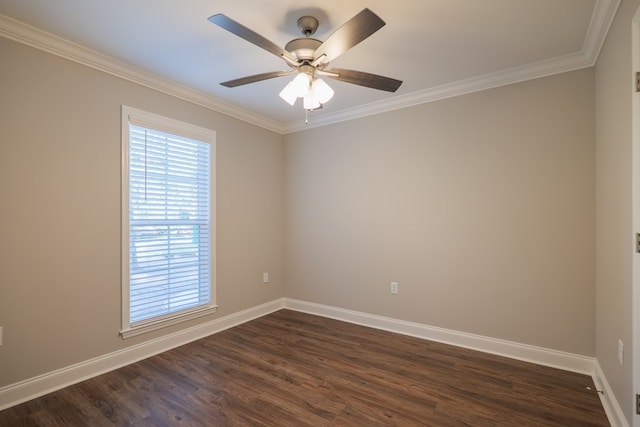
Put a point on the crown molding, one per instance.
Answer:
(463, 87)
(31, 36)
(601, 20)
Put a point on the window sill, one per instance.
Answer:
(165, 322)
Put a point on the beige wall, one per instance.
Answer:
(60, 209)
(614, 228)
(482, 207)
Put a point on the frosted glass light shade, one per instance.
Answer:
(321, 91)
(310, 101)
(301, 84)
(289, 94)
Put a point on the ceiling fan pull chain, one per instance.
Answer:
(306, 117)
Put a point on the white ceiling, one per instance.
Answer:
(438, 48)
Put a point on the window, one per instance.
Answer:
(168, 223)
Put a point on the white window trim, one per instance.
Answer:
(143, 118)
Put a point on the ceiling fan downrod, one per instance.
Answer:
(307, 25)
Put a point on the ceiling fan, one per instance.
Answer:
(308, 58)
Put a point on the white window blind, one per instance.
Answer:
(169, 223)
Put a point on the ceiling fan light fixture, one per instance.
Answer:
(316, 91)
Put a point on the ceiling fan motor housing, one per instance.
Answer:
(303, 48)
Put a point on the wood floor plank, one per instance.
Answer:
(296, 369)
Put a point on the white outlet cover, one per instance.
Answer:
(620, 352)
(394, 287)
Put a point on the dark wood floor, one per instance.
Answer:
(295, 369)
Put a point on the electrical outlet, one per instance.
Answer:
(394, 288)
(265, 277)
(620, 352)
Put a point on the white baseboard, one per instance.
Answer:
(23, 391)
(609, 402)
(541, 356)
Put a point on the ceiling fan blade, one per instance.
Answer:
(249, 35)
(349, 34)
(364, 79)
(256, 78)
